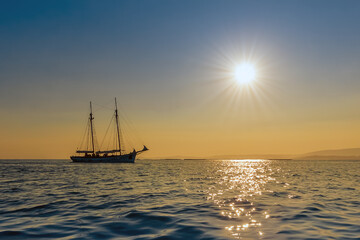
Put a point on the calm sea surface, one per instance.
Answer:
(176, 199)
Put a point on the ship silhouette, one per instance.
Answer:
(115, 155)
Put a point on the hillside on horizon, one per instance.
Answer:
(330, 154)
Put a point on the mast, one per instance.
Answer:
(91, 127)
(117, 125)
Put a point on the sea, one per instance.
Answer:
(180, 199)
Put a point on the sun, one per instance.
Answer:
(245, 73)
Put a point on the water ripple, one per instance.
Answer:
(237, 199)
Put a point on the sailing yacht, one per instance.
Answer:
(116, 155)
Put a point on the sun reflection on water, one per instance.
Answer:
(241, 181)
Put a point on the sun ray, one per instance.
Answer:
(241, 82)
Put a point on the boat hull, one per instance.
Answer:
(126, 158)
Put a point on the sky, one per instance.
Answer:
(169, 63)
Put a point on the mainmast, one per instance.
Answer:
(117, 125)
(91, 127)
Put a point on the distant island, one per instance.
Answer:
(338, 154)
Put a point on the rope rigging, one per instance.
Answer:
(112, 142)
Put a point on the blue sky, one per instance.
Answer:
(160, 58)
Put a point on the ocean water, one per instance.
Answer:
(180, 199)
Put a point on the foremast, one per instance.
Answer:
(91, 118)
(117, 126)
(90, 133)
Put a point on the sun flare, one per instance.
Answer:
(245, 73)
